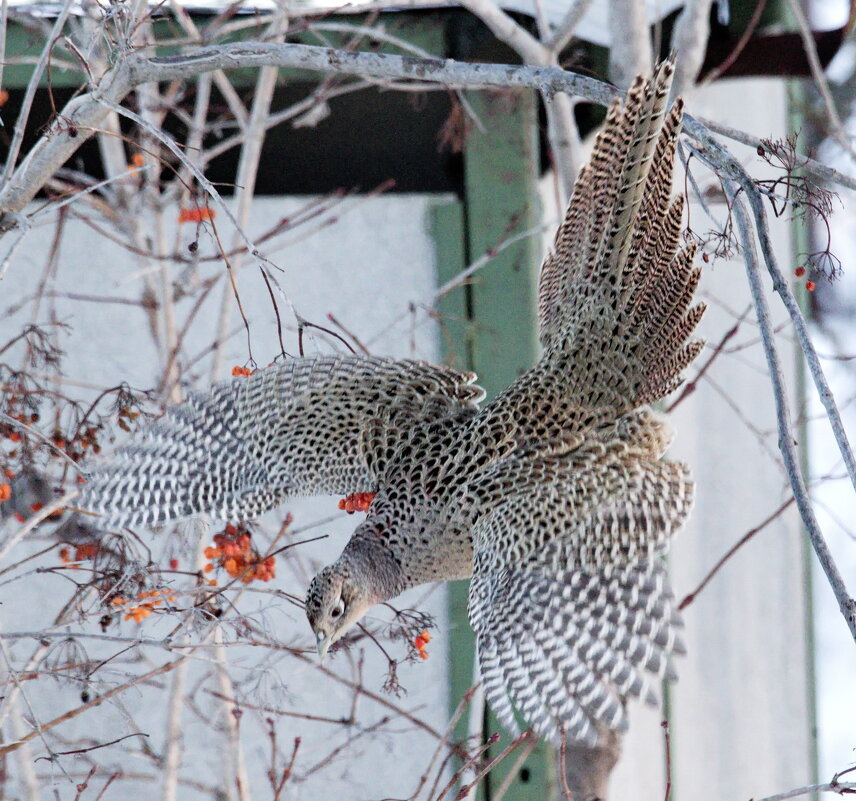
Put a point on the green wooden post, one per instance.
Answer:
(501, 200)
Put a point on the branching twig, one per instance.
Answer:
(786, 441)
(690, 597)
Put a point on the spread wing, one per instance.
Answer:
(616, 291)
(302, 427)
(569, 599)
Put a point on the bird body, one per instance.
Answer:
(553, 496)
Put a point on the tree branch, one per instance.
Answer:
(82, 116)
(689, 42)
(783, 416)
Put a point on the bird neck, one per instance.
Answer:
(372, 563)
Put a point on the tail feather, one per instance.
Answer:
(616, 290)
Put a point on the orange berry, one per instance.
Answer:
(212, 582)
(196, 214)
(65, 555)
(5, 492)
(9, 473)
(799, 271)
(15, 436)
(117, 600)
(85, 551)
(423, 653)
(208, 568)
(426, 636)
(173, 564)
(809, 285)
(357, 502)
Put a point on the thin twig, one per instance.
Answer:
(514, 770)
(783, 417)
(831, 787)
(563, 767)
(43, 514)
(248, 168)
(32, 85)
(810, 48)
(690, 597)
(484, 770)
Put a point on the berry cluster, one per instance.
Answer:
(85, 438)
(233, 551)
(420, 642)
(357, 502)
(799, 273)
(11, 432)
(241, 372)
(87, 550)
(141, 611)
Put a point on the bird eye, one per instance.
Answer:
(338, 609)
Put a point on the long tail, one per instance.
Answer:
(616, 290)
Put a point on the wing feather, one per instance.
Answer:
(302, 427)
(569, 599)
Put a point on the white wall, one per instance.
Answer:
(364, 270)
(739, 715)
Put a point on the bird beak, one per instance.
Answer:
(323, 644)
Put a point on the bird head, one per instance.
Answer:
(335, 602)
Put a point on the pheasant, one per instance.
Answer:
(553, 497)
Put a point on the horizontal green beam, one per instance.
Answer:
(423, 30)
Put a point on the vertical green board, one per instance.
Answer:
(492, 322)
(501, 186)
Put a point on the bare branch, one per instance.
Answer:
(821, 172)
(832, 787)
(248, 167)
(504, 28)
(565, 29)
(810, 47)
(32, 86)
(630, 54)
(689, 43)
(783, 417)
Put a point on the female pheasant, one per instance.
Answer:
(553, 497)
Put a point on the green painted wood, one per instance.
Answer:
(798, 102)
(447, 227)
(501, 172)
(456, 327)
(501, 200)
